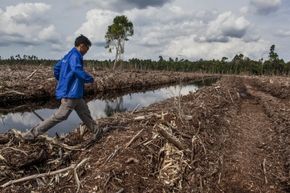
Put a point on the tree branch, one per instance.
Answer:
(73, 167)
(172, 139)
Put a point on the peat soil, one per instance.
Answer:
(232, 136)
(25, 84)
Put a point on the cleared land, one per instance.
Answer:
(232, 136)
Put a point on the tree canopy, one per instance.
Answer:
(117, 34)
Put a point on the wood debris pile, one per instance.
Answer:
(183, 144)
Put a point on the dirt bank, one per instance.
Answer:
(232, 136)
(26, 83)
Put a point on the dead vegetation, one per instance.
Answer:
(228, 137)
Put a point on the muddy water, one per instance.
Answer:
(99, 108)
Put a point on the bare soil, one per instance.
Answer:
(232, 136)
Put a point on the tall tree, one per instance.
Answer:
(117, 34)
(276, 64)
(272, 54)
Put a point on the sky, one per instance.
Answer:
(188, 29)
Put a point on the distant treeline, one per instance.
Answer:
(237, 65)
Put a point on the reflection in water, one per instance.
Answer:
(205, 82)
(98, 108)
(114, 106)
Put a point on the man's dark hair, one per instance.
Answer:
(82, 40)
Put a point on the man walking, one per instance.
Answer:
(71, 77)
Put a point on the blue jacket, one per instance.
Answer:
(71, 76)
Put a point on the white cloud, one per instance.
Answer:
(200, 25)
(49, 34)
(283, 33)
(92, 3)
(117, 5)
(23, 24)
(96, 24)
(225, 26)
(265, 7)
(157, 27)
(244, 10)
(151, 26)
(25, 12)
(186, 46)
(170, 31)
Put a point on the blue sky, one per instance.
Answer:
(190, 29)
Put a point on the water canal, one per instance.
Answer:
(99, 109)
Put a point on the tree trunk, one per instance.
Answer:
(119, 52)
(116, 56)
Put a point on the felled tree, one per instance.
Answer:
(117, 34)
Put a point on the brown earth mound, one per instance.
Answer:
(232, 136)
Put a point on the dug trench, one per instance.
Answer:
(232, 136)
(25, 84)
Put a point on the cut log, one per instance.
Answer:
(170, 138)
